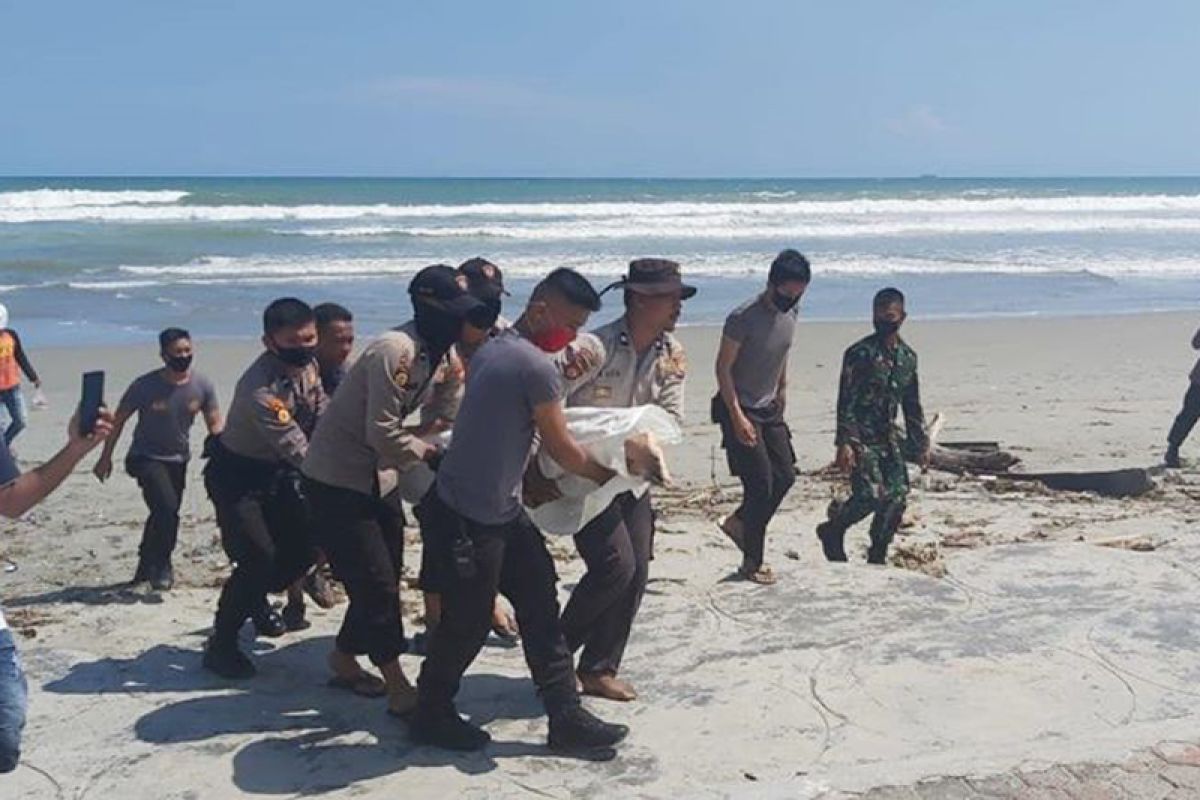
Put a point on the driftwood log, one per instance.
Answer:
(965, 458)
(988, 458)
(1109, 483)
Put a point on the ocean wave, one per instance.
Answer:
(156, 207)
(270, 269)
(65, 200)
(729, 228)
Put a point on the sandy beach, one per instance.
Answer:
(1039, 647)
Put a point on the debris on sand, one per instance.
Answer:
(1137, 544)
(924, 557)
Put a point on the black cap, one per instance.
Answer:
(484, 279)
(442, 286)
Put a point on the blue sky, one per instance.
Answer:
(614, 88)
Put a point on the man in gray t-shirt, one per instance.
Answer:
(484, 541)
(752, 376)
(166, 402)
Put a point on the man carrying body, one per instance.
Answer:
(18, 494)
(253, 480)
(879, 376)
(486, 540)
(335, 343)
(352, 467)
(644, 364)
(485, 283)
(166, 402)
(752, 376)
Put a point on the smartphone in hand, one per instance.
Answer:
(90, 402)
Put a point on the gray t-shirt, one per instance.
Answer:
(481, 474)
(165, 414)
(765, 335)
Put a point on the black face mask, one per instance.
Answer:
(180, 364)
(296, 356)
(783, 302)
(886, 327)
(439, 328)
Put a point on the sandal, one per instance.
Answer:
(763, 576)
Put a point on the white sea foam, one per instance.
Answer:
(272, 269)
(64, 200)
(157, 207)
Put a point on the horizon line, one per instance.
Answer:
(515, 177)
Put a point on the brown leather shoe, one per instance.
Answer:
(609, 687)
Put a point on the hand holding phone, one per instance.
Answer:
(91, 401)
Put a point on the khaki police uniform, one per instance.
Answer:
(351, 470)
(253, 480)
(617, 545)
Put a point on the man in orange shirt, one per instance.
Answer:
(13, 362)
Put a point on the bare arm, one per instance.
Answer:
(743, 428)
(726, 355)
(34, 486)
(103, 468)
(781, 387)
(551, 424)
(212, 419)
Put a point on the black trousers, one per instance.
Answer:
(363, 537)
(616, 548)
(1187, 417)
(510, 558)
(266, 531)
(767, 472)
(162, 484)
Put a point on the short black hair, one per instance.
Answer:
(790, 265)
(571, 285)
(327, 313)
(888, 296)
(170, 336)
(286, 312)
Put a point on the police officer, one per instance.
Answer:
(485, 282)
(486, 540)
(352, 467)
(644, 364)
(253, 477)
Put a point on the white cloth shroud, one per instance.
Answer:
(600, 431)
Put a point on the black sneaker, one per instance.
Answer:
(163, 580)
(1172, 459)
(293, 617)
(832, 543)
(268, 623)
(227, 661)
(575, 729)
(448, 731)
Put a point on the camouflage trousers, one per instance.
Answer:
(879, 486)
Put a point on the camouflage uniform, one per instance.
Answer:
(876, 382)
